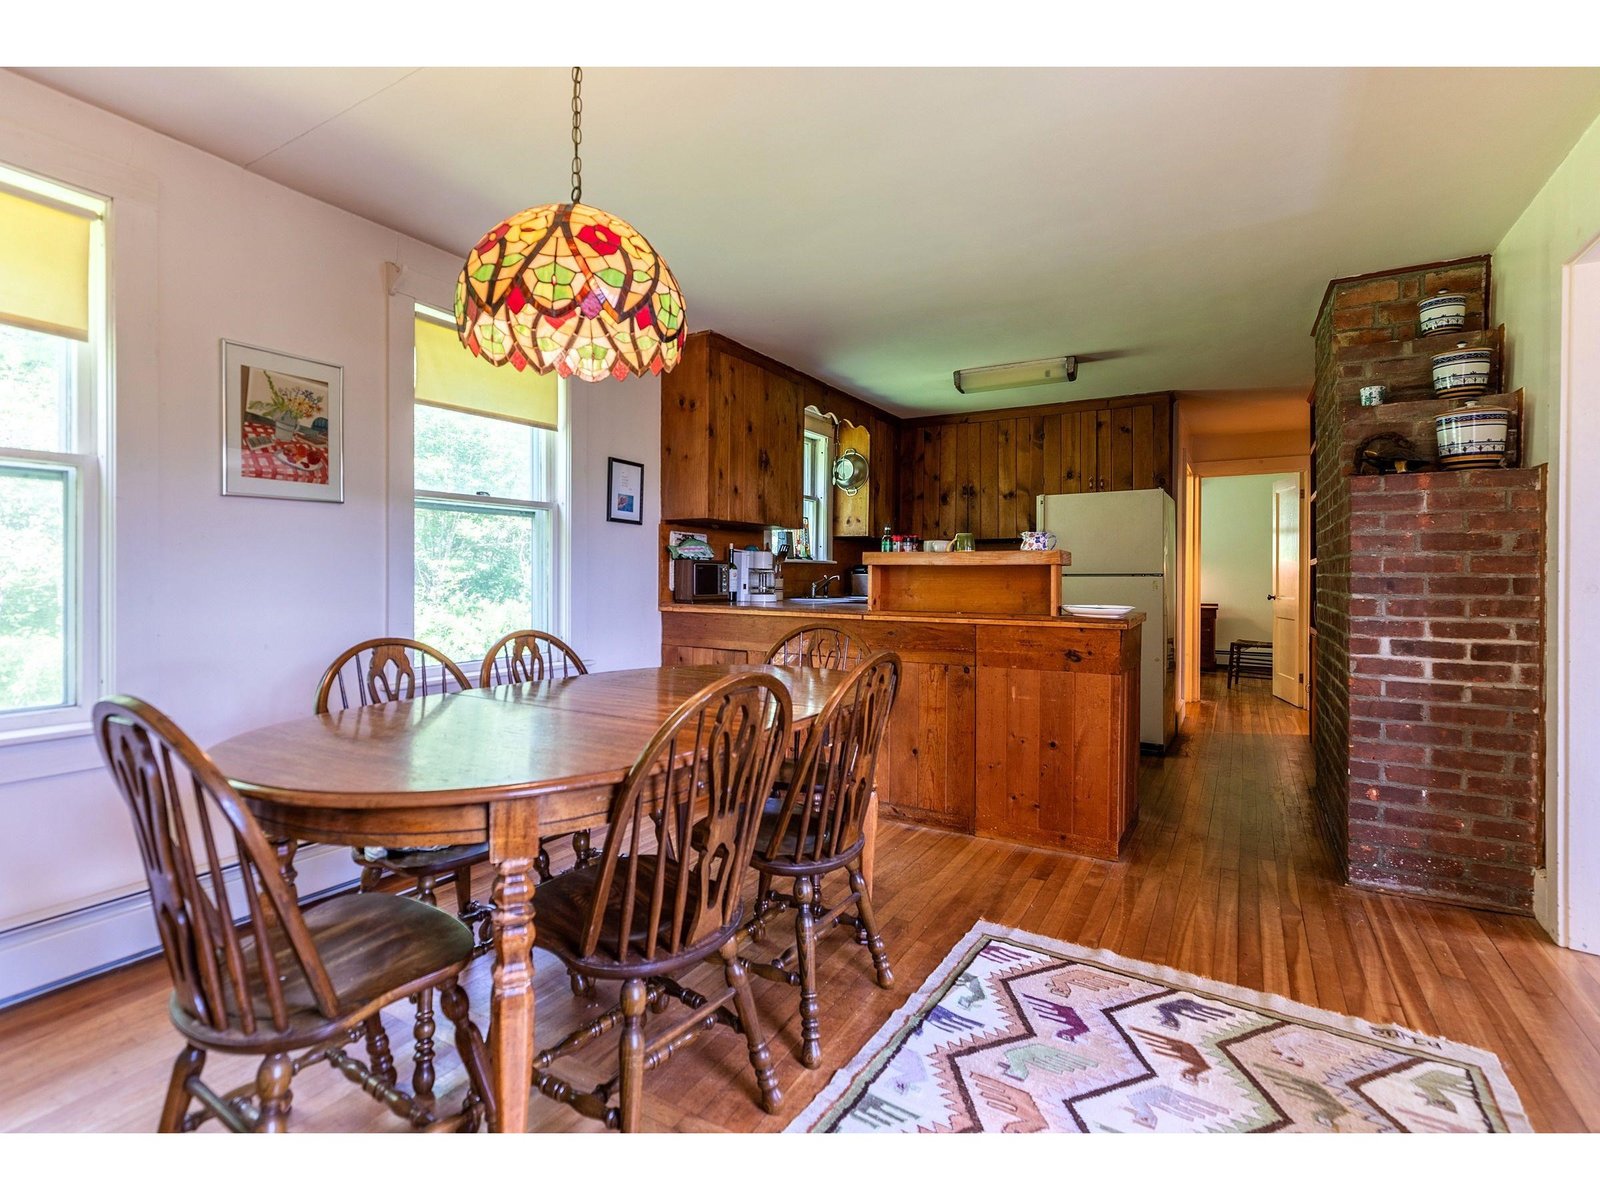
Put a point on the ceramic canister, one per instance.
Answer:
(1461, 372)
(1472, 436)
(1444, 313)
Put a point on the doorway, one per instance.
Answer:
(1247, 597)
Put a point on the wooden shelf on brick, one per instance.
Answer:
(1010, 583)
(1413, 419)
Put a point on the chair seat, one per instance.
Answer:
(423, 860)
(375, 947)
(561, 908)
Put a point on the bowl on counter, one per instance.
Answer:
(937, 545)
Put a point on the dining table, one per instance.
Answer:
(506, 765)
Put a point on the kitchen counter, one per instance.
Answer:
(1024, 728)
(800, 606)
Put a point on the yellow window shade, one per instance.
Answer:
(44, 267)
(451, 376)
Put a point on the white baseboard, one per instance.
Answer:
(53, 952)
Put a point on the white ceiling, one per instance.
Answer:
(881, 227)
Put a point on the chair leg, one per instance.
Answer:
(463, 881)
(745, 1005)
(762, 905)
(469, 1044)
(805, 936)
(631, 1055)
(272, 1085)
(869, 927)
(190, 1060)
(425, 892)
(378, 1049)
(371, 876)
(422, 1073)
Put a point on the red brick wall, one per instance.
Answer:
(1365, 333)
(1446, 684)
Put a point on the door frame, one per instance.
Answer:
(1189, 536)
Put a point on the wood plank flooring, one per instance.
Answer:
(1225, 877)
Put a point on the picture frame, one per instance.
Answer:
(282, 425)
(624, 491)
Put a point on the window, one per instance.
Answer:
(486, 489)
(813, 540)
(51, 317)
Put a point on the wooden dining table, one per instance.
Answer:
(505, 765)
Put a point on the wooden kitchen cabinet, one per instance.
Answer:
(731, 437)
(982, 472)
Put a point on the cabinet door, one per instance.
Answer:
(777, 440)
(1052, 766)
(925, 769)
(735, 492)
(1079, 457)
(1134, 447)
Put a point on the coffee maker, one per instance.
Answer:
(757, 577)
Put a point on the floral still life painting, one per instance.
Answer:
(282, 426)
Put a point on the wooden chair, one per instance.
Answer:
(532, 656)
(665, 895)
(819, 645)
(295, 987)
(381, 671)
(816, 827)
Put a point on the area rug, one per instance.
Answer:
(1017, 1033)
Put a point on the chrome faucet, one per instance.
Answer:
(819, 587)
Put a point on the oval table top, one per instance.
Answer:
(509, 742)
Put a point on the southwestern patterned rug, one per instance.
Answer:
(1018, 1033)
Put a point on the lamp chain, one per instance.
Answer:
(577, 133)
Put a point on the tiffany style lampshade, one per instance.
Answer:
(571, 289)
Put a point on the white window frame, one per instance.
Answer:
(87, 618)
(820, 429)
(551, 472)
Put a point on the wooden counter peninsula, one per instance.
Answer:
(1019, 726)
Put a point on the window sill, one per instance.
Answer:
(47, 750)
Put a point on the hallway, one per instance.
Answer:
(1226, 877)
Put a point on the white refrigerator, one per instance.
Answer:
(1124, 548)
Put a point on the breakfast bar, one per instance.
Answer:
(1022, 726)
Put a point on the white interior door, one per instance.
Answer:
(1285, 594)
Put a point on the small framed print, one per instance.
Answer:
(282, 426)
(624, 491)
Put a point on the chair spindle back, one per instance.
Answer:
(382, 670)
(819, 645)
(221, 944)
(529, 656)
(826, 801)
(683, 823)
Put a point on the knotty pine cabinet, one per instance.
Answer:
(981, 472)
(731, 437)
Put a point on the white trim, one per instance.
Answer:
(56, 949)
(1567, 892)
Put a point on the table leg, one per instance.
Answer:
(513, 841)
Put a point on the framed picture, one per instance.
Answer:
(282, 426)
(624, 491)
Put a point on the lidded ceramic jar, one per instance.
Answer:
(1444, 313)
(1462, 372)
(1474, 435)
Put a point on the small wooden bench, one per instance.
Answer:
(1248, 659)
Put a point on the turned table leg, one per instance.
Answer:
(513, 841)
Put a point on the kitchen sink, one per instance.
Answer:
(829, 600)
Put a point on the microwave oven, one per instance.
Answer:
(696, 581)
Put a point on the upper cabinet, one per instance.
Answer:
(731, 437)
(981, 472)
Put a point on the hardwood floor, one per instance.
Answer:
(1226, 877)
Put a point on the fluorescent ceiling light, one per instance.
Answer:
(1061, 369)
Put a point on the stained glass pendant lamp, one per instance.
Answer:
(570, 288)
